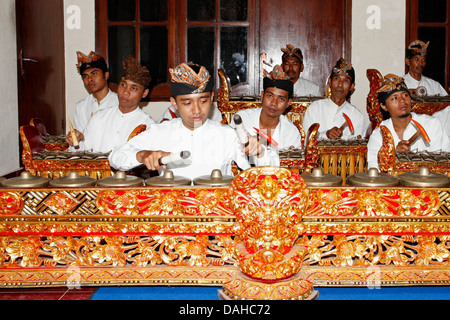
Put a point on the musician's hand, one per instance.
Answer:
(254, 148)
(78, 134)
(151, 158)
(403, 146)
(334, 133)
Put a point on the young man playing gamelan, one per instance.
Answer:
(211, 145)
(329, 113)
(395, 100)
(94, 73)
(270, 118)
(110, 128)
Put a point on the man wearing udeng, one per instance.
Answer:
(395, 101)
(211, 144)
(110, 128)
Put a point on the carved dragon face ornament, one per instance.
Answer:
(269, 204)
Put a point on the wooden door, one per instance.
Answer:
(320, 28)
(41, 78)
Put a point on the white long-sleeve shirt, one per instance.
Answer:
(439, 140)
(328, 115)
(109, 128)
(444, 118)
(305, 88)
(87, 107)
(212, 146)
(286, 135)
(433, 87)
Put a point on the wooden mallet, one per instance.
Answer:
(420, 132)
(349, 123)
(74, 136)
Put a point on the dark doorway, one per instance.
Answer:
(41, 78)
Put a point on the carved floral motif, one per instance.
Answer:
(185, 234)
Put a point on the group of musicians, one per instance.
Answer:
(104, 120)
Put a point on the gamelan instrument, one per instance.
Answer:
(168, 179)
(215, 179)
(267, 233)
(397, 163)
(215, 230)
(51, 142)
(120, 179)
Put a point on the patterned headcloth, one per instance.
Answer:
(277, 79)
(417, 48)
(92, 60)
(290, 51)
(390, 84)
(132, 70)
(190, 78)
(344, 67)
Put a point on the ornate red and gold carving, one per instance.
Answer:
(349, 236)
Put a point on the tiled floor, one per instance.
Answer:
(84, 293)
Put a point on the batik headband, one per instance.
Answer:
(290, 51)
(92, 60)
(344, 67)
(276, 74)
(184, 80)
(390, 84)
(132, 70)
(418, 47)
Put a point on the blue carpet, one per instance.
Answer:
(385, 293)
(210, 293)
(156, 293)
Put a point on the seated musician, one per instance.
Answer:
(276, 98)
(211, 144)
(328, 113)
(109, 128)
(95, 75)
(293, 66)
(416, 60)
(395, 99)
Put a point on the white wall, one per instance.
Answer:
(79, 35)
(381, 48)
(9, 128)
